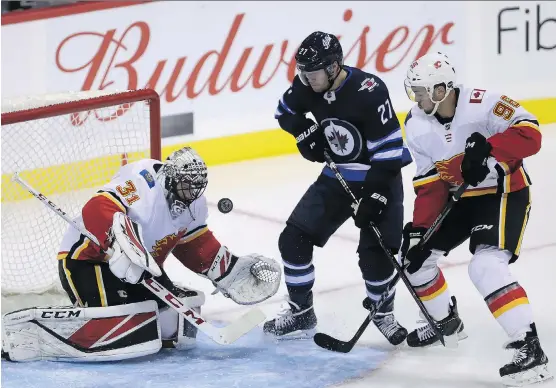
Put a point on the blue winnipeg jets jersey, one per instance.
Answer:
(358, 122)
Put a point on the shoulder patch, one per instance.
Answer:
(148, 177)
(368, 84)
(477, 96)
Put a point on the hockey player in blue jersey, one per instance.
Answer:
(356, 123)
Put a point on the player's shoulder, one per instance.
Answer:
(140, 173)
(297, 87)
(364, 82)
(482, 99)
(199, 212)
(478, 104)
(417, 123)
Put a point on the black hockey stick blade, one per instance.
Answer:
(330, 343)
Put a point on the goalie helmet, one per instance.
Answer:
(430, 71)
(315, 58)
(184, 178)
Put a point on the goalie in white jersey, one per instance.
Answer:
(461, 135)
(160, 208)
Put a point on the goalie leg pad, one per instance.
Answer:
(82, 334)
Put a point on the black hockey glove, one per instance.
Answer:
(310, 143)
(371, 209)
(411, 253)
(474, 167)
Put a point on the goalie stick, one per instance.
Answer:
(224, 336)
(328, 342)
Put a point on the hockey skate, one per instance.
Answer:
(529, 364)
(387, 324)
(295, 322)
(450, 326)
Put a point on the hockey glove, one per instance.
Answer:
(371, 208)
(310, 143)
(412, 255)
(247, 279)
(474, 168)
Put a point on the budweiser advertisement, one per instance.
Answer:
(221, 66)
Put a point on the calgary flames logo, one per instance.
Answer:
(162, 247)
(450, 170)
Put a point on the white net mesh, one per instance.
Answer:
(66, 157)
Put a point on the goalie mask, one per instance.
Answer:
(184, 178)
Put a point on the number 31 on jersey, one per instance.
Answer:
(129, 192)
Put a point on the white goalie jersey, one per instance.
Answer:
(135, 192)
(438, 147)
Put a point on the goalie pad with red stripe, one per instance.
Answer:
(82, 334)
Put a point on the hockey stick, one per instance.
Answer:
(223, 336)
(331, 343)
(327, 342)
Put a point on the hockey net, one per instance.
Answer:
(65, 145)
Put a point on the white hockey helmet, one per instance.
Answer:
(429, 71)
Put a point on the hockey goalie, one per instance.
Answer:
(147, 211)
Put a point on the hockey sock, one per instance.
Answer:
(505, 298)
(375, 289)
(299, 281)
(297, 255)
(435, 295)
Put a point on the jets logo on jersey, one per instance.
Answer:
(368, 84)
(344, 139)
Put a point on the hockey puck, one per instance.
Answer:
(225, 205)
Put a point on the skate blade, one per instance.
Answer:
(534, 375)
(461, 336)
(295, 335)
(453, 340)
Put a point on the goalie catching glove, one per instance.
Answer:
(129, 259)
(247, 279)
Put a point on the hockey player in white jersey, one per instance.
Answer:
(160, 208)
(478, 137)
